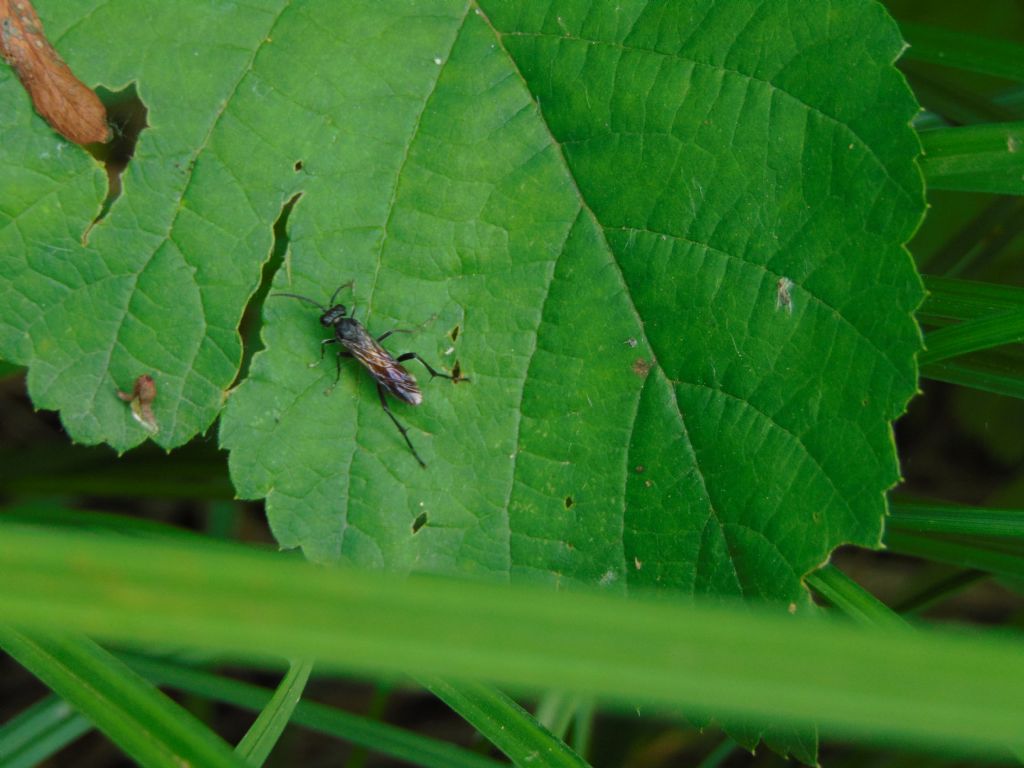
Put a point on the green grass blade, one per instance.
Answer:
(951, 299)
(583, 727)
(40, 732)
(719, 754)
(506, 725)
(972, 336)
(941, 590)
(147, 725)
(938, 689)
(951, 100)
(975, 158)
(260, 739)
(852, 599)
(375, 736)
(197, 471)
(556, 710)
(982, 553)
(962, 237)
(984, 55)
(1000, 371)
(918, 517)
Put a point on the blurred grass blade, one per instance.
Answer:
(975, 158)
(260, 739)
(556, 710)
(506, 725)
(719, 754)
(936, 592)
(376, 737)
(957, 520)
(972, 336)
(40, 732)
(142, 721)
(933, 688)
(951, 100)
(984, 55)
(583, 726)
(995, 556)
(969, 238)
(852, 599)
(954, 300)
(196, 471)
(1000, 371)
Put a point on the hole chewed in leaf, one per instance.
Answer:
(454, 333)
(569, 503)
(297, 166)
(64, 101)
(249, 326)
(419, 522)
(127, 116)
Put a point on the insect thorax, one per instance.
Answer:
(349, 329)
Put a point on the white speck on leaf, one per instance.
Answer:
(783, 295)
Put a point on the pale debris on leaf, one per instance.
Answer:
(141, 401)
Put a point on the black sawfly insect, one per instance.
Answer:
(387, 371)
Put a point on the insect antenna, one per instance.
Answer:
(302, 298)
(339, 289)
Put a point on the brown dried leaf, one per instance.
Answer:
(141, 398)
(62, 99)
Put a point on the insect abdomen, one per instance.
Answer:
(388, 372)
(402, 385)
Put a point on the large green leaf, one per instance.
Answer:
(588, 207)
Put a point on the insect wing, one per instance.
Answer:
(383, 367)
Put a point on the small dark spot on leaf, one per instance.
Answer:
(454, 333)
(298, 166)
(641, 367)
(569, 502)
(419, 522)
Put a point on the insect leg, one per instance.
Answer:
(341, 353)
(393, 330)
(384, 404)
(414, 356)
(323, 348)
